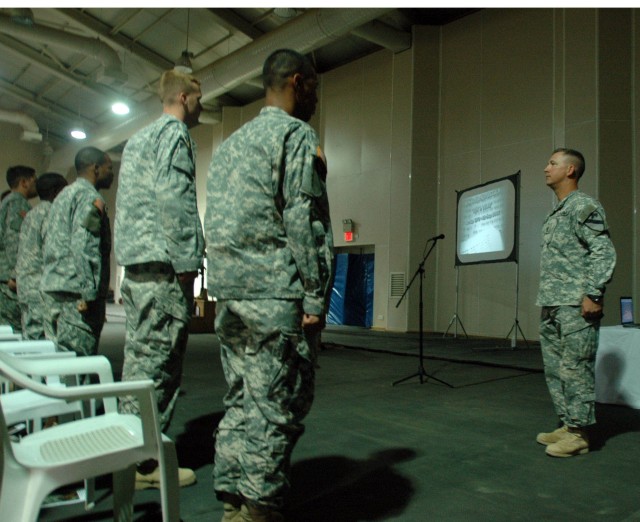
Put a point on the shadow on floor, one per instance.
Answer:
(195, 445)
(349, 490)
(613, 421)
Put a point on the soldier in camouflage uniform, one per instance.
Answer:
(75, 279)
(13, 209)
(30, 256)
(159, 241)
(269, 252)
(576, 263)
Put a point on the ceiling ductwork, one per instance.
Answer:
(307, 32)
(304, 34)
(384, 36)
(31, 131)
(111, 72)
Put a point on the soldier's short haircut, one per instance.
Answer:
(173, 82)
(49, 184)
(89, 156)
(18, 172)
(576, 159)
(282, 64)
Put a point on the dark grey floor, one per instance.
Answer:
(462, 449)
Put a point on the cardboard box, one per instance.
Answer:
(203, 318)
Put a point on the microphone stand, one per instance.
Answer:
(421, 372)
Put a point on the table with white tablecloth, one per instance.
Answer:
(618, 366)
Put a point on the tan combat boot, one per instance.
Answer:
(231, 507)
(254, 514)
(151, 479)
(552, 437)
(575, 443)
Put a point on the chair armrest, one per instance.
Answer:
(51, 364)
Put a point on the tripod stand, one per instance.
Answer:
(421, 372)
(456, 318)
(516, 324)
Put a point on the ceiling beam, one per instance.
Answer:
(121, 41)
(232, 22)
(51, 108)
(24, 51)
(383, 35)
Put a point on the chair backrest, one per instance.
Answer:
(4, 337)
(26, 347)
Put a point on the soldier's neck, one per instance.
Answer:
(563, 191)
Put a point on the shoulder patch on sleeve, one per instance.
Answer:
(93, 219)
(99, 204)
(592, 216)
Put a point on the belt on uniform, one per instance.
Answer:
(153, 267)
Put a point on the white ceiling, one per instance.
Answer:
(57, 73)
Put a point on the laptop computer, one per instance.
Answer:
(626, 313)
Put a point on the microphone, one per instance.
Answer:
(435, 238)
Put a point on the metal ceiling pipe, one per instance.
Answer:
(384, 36)
(30, 129)
(112, 67)
(304, 34)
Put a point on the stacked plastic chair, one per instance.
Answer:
(43, 461)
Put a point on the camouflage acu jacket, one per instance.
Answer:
(156, 211)
(578, 257)
(13, 210)
(267, 222)
(30, 252)
(78, 244)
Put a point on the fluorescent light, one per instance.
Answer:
(78, 134)
(120, 108)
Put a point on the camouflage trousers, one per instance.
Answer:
(569, 344)
(158, 309)
(70, 329)
(269, 366)
(33, 314)
(10, 308)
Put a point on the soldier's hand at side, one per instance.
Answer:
(312, 322)
(11, 283)
(590, 310)
(82, 306)
(187, 277)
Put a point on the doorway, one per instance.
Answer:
(352, 294)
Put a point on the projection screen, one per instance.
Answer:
(487, 222)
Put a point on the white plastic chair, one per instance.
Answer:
(65, 454)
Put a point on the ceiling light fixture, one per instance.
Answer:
(78, 133)
(183, 64)
(120, 108)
